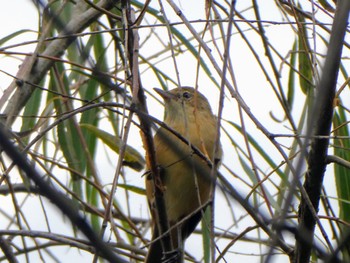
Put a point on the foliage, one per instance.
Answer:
(83, 87)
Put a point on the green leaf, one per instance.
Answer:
(132, 188)
(260, 150)
(206, 235)
(31, 110)
(13, 35)
(68, 136)
(181, 39)
(305, 66)
(248, 170)
(291, 78)
(342, 174)
(132, 157)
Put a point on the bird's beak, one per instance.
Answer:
(166, 95)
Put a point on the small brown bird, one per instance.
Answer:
(185, 176)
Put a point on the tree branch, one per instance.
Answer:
(33, 70)
(320, 124)
(61, 201)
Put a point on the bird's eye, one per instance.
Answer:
(186, 95)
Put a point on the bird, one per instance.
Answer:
(186, 178)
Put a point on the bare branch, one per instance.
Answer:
(320, 125)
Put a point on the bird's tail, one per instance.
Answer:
(155, 251)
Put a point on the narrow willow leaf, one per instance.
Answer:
(31, 110)
(132, 188)
(161, 76)
(248, 170)
(291, 78)
(89, 92)
(206, 235)
(182, 39)
(342, 174)
(13, 35)
(305, 66)
(264, 154)
(68, 136)
(29, 121)
(132, 158)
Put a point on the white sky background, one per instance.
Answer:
(252, 85)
